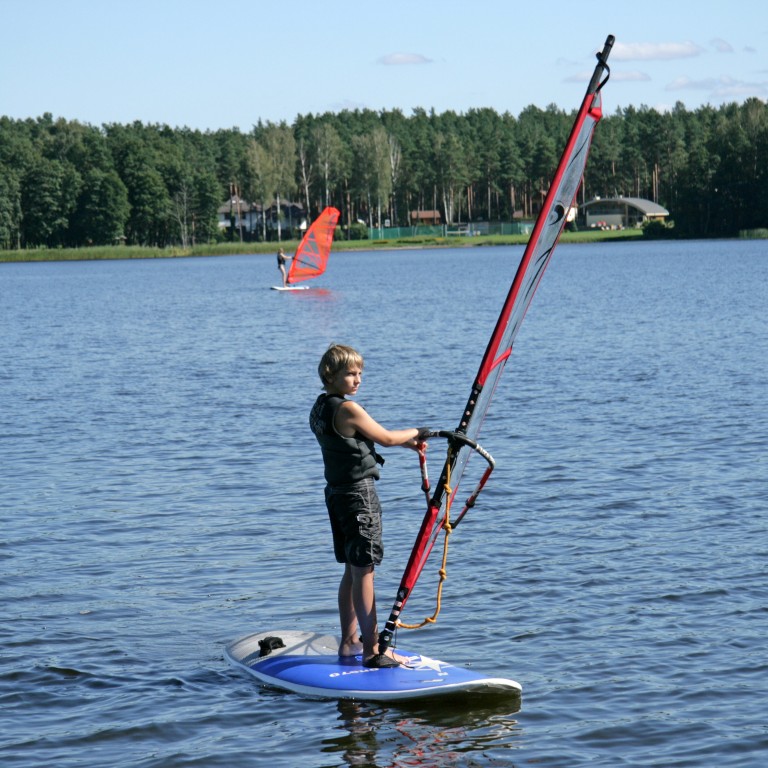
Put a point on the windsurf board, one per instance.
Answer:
(290, 288)
(308, 663)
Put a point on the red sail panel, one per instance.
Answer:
(538, 252)
(311, 256)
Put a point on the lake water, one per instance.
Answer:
(161, 495)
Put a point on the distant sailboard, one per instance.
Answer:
(306, 663)
(311, 257)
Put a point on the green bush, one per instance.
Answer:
(658, 230)
(357, 231)
(761, 233)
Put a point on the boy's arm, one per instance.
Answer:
(351, 418)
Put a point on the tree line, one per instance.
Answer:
(68, 184)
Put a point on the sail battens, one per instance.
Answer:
(538, 252)
(311, 257)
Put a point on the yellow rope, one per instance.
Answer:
(442, 572)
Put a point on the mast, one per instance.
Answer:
(546, 233)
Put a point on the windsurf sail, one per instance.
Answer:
(463, 442)
(311, 257)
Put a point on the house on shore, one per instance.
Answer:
(250, 219)
(421, 218)
(619, 213)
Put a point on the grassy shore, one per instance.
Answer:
(228, 249)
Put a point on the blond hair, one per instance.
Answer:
(338, 358)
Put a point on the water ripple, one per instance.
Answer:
(162, 496)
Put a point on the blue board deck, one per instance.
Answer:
(308, 664)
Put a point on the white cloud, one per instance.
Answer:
(630, 77)
(627, 77)
(400, 59)
(721, 88)
(721, 46)
(686, 83)
(348, 105)
(579, 77)
(655, 51)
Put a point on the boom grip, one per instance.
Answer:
(460, 437)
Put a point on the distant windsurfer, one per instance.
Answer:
(281, 266)
(347, 435)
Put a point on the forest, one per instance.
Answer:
(68, 184)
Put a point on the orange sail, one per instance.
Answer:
(311, 256)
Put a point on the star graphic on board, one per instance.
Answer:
(424, 662)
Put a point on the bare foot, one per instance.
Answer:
(352, 648)
(396, 656)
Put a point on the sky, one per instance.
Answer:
(209, 65)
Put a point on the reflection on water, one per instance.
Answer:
(431, 734)
(312, 294)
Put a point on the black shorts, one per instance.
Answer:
(355, 514)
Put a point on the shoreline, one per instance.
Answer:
(116, 252)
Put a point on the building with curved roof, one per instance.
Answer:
(619, 212)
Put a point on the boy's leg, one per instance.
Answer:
(350, 642)
(364, 602)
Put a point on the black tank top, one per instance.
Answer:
(346, 459)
